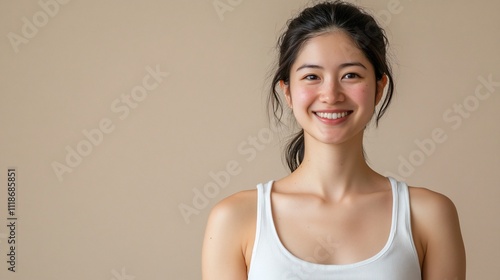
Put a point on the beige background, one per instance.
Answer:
(116, 214)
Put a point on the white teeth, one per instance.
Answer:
(332, 116)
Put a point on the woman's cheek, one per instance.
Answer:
(305, 94)
(363, 92)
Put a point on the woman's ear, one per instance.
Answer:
(380, 89)
(285, 88)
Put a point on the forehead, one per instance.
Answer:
(330, 49)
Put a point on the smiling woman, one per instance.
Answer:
(332, 70)
(333, 217)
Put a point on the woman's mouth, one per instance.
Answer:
(332, 116)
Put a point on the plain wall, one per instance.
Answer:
(114, 212)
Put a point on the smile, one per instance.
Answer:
(332, 116)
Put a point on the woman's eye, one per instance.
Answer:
(351, 76)
(311, 77)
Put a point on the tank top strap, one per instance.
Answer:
(404, 236)
(262, 221)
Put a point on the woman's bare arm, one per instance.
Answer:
(224, 244)
(436, 222)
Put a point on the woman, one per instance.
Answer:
(333, 217)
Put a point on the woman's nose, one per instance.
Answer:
(331, 93)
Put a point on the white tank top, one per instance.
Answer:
(397, 260)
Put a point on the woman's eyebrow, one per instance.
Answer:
(348, 64)
(309, 66)
(343, 65)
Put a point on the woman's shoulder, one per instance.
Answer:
(437, 234)
(434, 219)
(228, 233)
(236, 210)
(237, 203)
(431, 210)
(425, 202)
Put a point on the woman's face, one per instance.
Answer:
(332, 90)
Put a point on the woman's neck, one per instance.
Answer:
(334, 170)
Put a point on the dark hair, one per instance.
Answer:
(311, 22)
